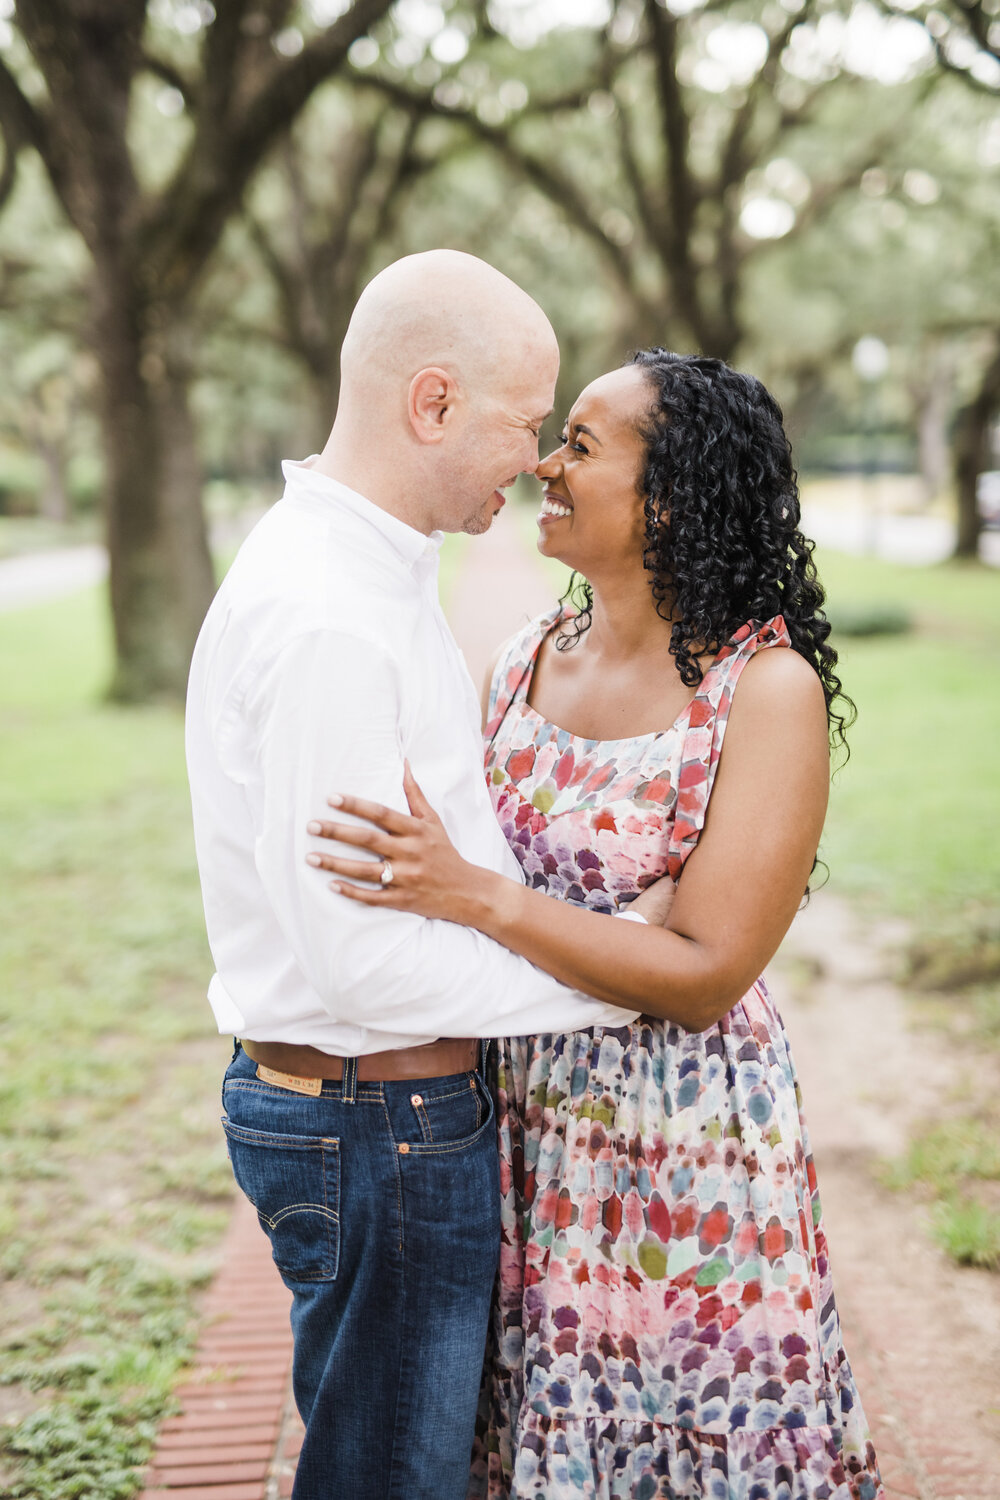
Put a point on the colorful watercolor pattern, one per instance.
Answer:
(665, 1323)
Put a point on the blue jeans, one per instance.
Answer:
(382, 1205)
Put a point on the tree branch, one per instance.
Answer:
(980, 23)
(162, 69)
(739, 153)
(183, 227)
(980, 36)
(22, 123)
(649, 209)
(683, 193)
(557, 186)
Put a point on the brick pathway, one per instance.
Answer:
(238, 1434)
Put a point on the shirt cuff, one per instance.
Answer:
(632, 916)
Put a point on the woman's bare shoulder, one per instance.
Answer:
(778, 687)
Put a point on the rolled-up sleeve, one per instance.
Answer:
(328, 712)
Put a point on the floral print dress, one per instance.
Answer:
(665, 1322)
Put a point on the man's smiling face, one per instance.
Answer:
(499, 439)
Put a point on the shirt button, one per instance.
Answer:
(416, 1100)
(404, 1148)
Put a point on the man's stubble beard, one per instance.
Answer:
(480, 521)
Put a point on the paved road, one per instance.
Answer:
(903, 539)
(35, 577)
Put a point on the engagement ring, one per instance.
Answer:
(386, 875)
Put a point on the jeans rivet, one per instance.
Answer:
(416, 1100)
(404, 1148)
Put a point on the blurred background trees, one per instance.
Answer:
(193, 195)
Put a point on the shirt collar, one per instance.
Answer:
(304, 483)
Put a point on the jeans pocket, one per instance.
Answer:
(452, 1119)
(293, 1181)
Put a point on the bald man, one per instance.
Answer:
(357, 1119)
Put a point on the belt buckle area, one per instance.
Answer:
(311, 1086)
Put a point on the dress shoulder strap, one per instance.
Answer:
(705, 732)
(514, 667)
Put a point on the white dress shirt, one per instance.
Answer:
(324, 660)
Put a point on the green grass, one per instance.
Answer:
(956, 1166)
(914, 813)
(912, 830)
(115, 1183)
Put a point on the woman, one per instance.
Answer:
(665, 1322)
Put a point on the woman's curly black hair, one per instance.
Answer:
(721, 503)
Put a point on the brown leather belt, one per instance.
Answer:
(433, 1060)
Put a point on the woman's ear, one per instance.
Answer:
(431, 399)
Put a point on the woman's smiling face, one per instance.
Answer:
(591, 516)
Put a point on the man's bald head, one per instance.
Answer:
(446, 310)
(447, 372)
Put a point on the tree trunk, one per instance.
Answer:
(970, 448)
(933, 403)
(54, 501)
(161, 569)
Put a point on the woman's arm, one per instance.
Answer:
(740, 890)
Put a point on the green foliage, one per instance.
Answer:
(963, 1148)
(970, 1233)
(84, 1449)
(870, 619)
(956, 956)
(957, 1166)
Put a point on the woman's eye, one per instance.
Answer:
(576, 447)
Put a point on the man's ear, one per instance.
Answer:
(431, 399)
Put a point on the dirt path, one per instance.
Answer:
(923, 1334)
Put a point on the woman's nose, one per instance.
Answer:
(549, 467)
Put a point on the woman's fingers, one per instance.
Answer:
(368, 895)
(373, 812)
(417, 802)
(354, 869)
(364, 836)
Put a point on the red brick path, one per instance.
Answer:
(237, 1434)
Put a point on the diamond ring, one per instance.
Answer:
(386, 875)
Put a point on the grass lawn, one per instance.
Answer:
(116, 1186)
(915, 814)
(913, 829)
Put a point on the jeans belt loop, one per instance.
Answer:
(349, 1092)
